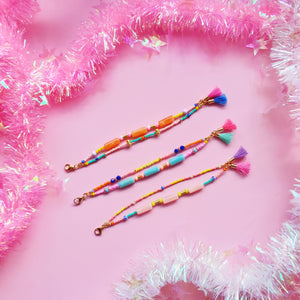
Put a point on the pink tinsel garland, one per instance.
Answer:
(19, 11)
(110, 26)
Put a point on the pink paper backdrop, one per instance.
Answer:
(60, 258)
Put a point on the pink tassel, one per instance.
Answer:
(214, 93)
(229, 125)
(243, 167)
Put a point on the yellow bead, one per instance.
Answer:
(153, 203)
(179, 194)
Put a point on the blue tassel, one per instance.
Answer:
(222, 100)
(226, 137)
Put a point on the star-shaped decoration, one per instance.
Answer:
(153, 43)
(257, 45)
(133, 282)
(2, 127)
(148, 45)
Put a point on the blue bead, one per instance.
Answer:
(125, 217)
(106, 189)
(118, 177)
(176, 160)
(151, 171)
(113, 180)
(213, 178)
(176, 151)
(97, 158)
(126, 182)
(182, 148)
(83, 161)
(162, 187)
(196, 104)
(195, 150)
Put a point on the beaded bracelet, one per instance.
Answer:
(242, 167)
(117, 183)
(143, 133)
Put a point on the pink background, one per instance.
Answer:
(59, 257)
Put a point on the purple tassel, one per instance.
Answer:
(240, 153)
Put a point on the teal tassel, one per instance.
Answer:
(222, 100)
(226, 137)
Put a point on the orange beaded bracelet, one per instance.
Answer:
(143, 133)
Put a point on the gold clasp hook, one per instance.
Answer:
(98, 231)
(78, 200)
(69, 168)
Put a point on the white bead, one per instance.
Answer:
(196, 188)
(185, 111)
(94, 153)
(148, 127)
(144, 209)
(170, 198)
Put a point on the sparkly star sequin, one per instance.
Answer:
(258, 45)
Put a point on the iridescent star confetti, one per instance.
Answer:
(2, 127)
(148, 46)
(257, 45)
